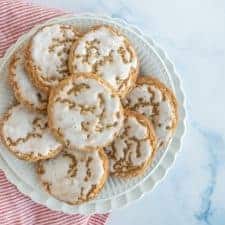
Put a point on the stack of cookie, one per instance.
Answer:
(83, 110)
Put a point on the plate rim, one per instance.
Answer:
(163, 166)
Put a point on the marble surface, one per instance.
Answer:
(193, 34)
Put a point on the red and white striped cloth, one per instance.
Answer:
(17, 17)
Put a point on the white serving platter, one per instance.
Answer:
(117, 192)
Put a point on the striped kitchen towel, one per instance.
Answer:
(17, 17)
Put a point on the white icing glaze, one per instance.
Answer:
(124, 153)
(70, 119)
(142, 101)
(28, 92)
(50, 51)
(20, 124)
(107, 41)
(69, 180)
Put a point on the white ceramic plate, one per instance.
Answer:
(117, 192)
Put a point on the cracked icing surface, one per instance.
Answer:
(48, 54)
(152, 99)
(108, 54)
(84, 112)
(74, 176)
(24, 90)
(131, 151)
(26, 134)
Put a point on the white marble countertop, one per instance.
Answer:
(193, 34)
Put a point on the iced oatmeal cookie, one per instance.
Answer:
(104, 51)
(47, 55)
(84, 112)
